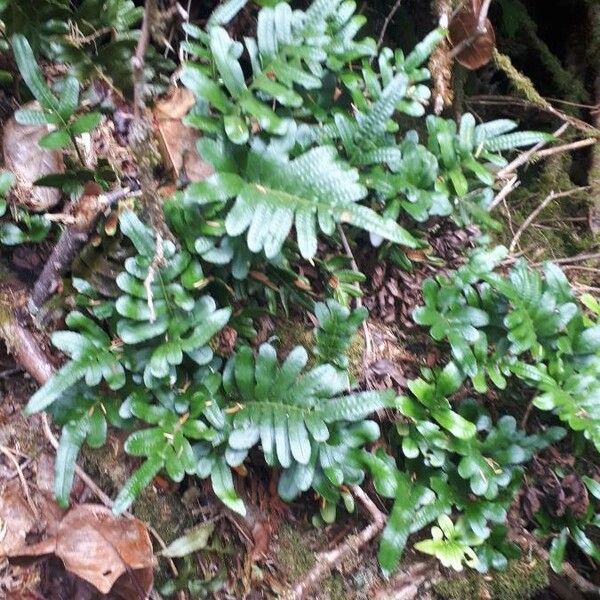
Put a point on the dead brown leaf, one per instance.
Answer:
(480, 49)
(24, 157)
(16, 519)
(178, 141)
(113, 554)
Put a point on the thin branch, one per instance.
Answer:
(531, 218)
(523, 158)
(82, 218)
(359, 302)
(566, 147)
(137, 60)
(386, 24)
(509, 186)
(545, 107)
(10, 455)
(569, 260)
(327, 560)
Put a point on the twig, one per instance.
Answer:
(571, 259)
(481, 30)
(566, 147)
(359, 303)
(386, 24)
(82, 217)
(9, 454)
(578, 268)
(509, 186)
(327, 560)
(529, 220)
(544, 107)
(157, 260)
(137, 60)
(523, 158)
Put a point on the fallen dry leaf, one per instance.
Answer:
(175, 105)
(178, 141)
(464, 27)
(113, 554)
(16, 519)
(24, 157)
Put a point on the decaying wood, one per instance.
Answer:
(21, 343)
(82, 217)
(326, 561)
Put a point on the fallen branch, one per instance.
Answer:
(20, 342)
(82, 218)
(327, 560)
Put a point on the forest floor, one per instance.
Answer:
(274, 547)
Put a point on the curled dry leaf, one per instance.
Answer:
(464, 27)
(24, 157)
(177, 141)
(113, 554)
(16, 519)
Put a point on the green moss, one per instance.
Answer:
(553, 234)
(294, 559)
(293, 555)
(291, 334)
(356, 353)
(163, 510)
(334, 588)
(521, 580)
(520, 82)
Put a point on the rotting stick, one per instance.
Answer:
(20, 342)
(327, 560)
(83, 216)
